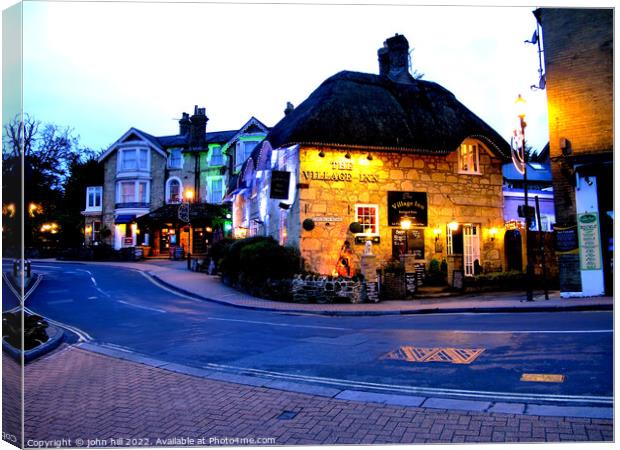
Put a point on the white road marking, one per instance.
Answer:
(148, 308)
(94, 281)
(279, 324)
(58, 291)
(414, 389)
(93, 298)
(523, 331)
(45, 266)
(82, 335)
(64, 300)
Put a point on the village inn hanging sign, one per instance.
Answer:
(340, 171)
(410, 204)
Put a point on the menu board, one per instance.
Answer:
(409, 242)
(589, 241)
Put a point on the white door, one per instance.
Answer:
(471, 247)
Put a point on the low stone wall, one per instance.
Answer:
(325, 289)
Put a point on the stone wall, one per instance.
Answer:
(324, 289)
(466, 198)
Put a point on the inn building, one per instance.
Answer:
(385, 158)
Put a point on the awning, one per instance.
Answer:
(124, 218)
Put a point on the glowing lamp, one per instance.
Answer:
(493, 233)
(437, 232)
(189, 194)
(453, 225)
(405, 223)
(520, 107)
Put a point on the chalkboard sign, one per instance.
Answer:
(457, 279)
(411, 204)
(419, 274)
(399, 241)
(566, 240)
(280, 181)
(408, 242)
(416, 243)
(410, 283)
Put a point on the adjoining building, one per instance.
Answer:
(578, 57)
(165, 193)
(385, 158)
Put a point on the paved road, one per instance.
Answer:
(124, 309)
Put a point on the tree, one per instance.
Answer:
(46, 152)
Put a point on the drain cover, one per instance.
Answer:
(287, 415)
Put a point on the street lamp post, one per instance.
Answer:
(529, 269)
(405, 224)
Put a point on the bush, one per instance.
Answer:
(259, 265)
(393, 266)
(495, 281)
(219, 250)
(34, 327)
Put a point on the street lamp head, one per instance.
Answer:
(520, 105)
(189, 195)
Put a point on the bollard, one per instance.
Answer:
(28, 268)
(15, 266)
(189, 261)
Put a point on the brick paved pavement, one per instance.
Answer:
(73, 393)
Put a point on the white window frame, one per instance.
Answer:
(241, 152)
(221, 156)
(211, 198)
(136, 191)
(376, 214)
(171, 179)
(120, 166)
(171, 159)
(474, 148)
(94, 190)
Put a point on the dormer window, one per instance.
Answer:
(243, 150)
(175, 159)
(469, 158)
(131, 159)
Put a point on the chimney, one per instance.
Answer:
(184, 125)
(198, 127)
(289, 108)
(394, 59)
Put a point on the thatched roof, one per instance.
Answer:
(371, 111)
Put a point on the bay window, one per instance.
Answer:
(133, 191)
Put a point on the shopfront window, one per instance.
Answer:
(368, 217)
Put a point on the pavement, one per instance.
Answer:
(111, 402)
(174, 275)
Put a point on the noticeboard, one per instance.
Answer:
(408, 242)
(589, 241)
(566, 241)
(280, 183)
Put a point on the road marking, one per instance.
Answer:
(525, 331)
(45, 265)
(82, 335)
(423, 355)
(64, 300)
(415, 389)
(57, 291)
(279, 324)
(93, 298)
(148, 308)
(543, 377)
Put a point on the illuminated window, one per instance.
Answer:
(132, 192)
(368, 217)
(174, 190)
(469, 158)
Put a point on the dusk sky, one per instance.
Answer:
(102, 68)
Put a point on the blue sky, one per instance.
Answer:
(102, 68)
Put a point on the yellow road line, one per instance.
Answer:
(543, 377)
